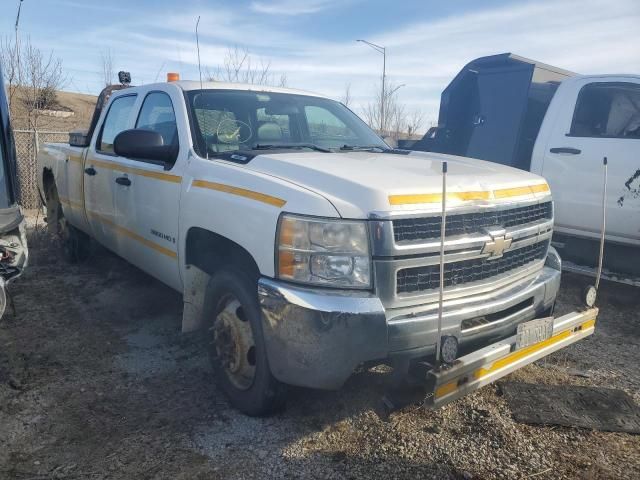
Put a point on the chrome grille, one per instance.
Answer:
(427, 228)
(416, 279)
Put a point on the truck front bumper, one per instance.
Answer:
(317, 337)
(488, 364)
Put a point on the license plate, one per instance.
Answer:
(535, 331)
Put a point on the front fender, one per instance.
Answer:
(242, 206)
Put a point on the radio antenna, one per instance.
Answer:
(198, 49)
(443, 229)
(604, 223)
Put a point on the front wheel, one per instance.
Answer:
(236, 346)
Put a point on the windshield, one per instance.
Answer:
(231, 120)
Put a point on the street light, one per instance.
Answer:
(383, 51)
(396, 89)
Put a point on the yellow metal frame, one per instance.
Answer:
(491, 363)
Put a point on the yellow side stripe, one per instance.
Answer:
(134, 236)
(167, 177)
(467, 196)
(452, 386)
(70, 202)
(242, 192)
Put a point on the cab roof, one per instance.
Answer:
(188, 85)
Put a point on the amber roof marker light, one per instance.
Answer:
(173, 77)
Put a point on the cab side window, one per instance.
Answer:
(116, 121)
(157, 114)
(607, 110)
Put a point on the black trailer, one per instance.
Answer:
(493, 109)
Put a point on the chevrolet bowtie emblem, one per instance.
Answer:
(496, 246)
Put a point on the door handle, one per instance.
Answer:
(90, 171)
(570, 150)
(123, 181)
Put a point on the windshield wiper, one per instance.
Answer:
(362, 147)
(278, 146)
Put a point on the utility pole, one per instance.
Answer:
(383, 97)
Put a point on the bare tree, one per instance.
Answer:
(397, 122)
(415, 120)
(346, 98)
(393, 111)
(42, 77)
(239, 66)
(10, 59)
(108, 69)
(32, 77)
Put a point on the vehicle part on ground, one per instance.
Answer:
(593, 408)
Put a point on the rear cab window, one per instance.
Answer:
(116, 121)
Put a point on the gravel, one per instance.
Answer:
(96, 381)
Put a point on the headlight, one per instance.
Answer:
(323, 252)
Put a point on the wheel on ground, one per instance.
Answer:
(235, 343)
(74, 243)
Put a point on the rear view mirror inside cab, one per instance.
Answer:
(281, 109)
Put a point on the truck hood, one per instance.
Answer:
(361, 183)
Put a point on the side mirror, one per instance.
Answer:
(140, 143)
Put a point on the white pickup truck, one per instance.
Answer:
(304, 246)
(558, 124)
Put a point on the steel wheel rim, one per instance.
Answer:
(234, 343)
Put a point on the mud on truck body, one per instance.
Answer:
(304, 246)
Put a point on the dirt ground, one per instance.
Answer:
(96, 381)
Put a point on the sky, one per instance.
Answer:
(313, 42)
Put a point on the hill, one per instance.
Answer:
(72, 111)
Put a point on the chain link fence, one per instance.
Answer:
(27, 142)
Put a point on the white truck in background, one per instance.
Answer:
(304, 246)
(557, 124)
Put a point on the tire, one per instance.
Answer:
(240, 365)
(75, 244)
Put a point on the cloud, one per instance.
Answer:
(295, 7)
(586, 36)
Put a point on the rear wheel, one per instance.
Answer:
(235, 343)
(75, 244)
